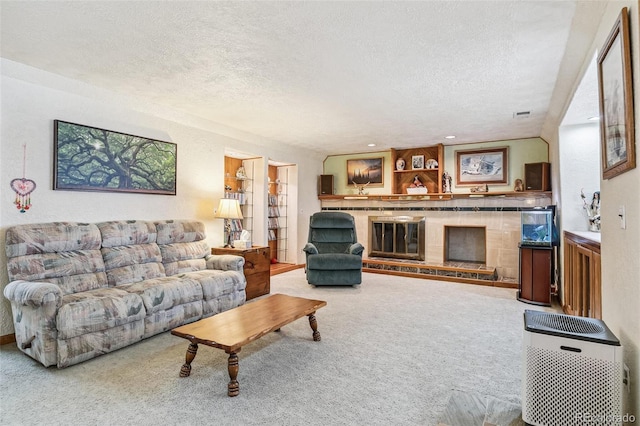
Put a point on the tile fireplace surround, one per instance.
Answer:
(500, 216)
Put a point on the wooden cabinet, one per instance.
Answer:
(582, 294)
(257, 262)
(431, 177)
(536, 275)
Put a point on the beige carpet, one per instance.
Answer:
(394, 350)
(474, 409)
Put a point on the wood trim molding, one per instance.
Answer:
(578, 239)
(8, 338)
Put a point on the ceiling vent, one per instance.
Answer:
(522, 114)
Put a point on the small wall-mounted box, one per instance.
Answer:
(537, 177)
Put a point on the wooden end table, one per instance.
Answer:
(257, 265)
(232, 329)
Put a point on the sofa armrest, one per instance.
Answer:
(310, 248)
(225, 262)
(34, 294)
(356, 248)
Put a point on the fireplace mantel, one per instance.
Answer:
(438, 197)
(500, 215)
(516, 201)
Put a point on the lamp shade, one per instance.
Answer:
(228, 209)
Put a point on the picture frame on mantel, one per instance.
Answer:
(482, 166)
(616, 101)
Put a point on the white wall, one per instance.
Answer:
(580, 168)
(31, 99)
(620, 248)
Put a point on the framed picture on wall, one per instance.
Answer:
(488, 166)
(616, 101)
(364, 171)
(92, 159)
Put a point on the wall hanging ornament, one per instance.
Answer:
(23, 187)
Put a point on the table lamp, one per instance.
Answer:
(228, 209)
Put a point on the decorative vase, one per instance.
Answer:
(400, 164)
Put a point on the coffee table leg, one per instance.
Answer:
(185, 371)
(314, 326)
(234, 386)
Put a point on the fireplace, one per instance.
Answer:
(400, 237)
(465, 244)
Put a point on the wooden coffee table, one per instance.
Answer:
(232, 329)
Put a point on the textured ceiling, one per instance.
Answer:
(331, 76)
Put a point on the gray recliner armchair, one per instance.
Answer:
(334, 257)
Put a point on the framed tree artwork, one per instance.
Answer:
(616, 101)
(92, 159)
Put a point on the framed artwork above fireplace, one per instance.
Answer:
(365, 171)
(482, 166)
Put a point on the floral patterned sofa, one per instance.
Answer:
(79, 290)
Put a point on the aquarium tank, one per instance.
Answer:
(537, 227)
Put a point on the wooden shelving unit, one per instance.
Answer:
(431, 178)
(273, 213)
(239, 189)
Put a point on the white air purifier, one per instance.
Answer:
(571, 371)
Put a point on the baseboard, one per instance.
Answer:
(8, 338)
(283, 267)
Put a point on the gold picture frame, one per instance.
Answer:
(616, 101)
(365, 171)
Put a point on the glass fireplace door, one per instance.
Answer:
(397, 237)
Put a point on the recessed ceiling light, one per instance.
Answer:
(450, 137)
(594, 118)
(371, 144)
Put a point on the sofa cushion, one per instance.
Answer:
(72, 271)
(127, 232)
(164, 293)
(96, 310)
(179, 258)
(334, 261)
(179, 231)
(130, 264)
(130, 251)
(63, 253)
(53, 237)
(182, 246)
(216, 283)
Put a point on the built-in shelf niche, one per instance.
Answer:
(431, 178)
